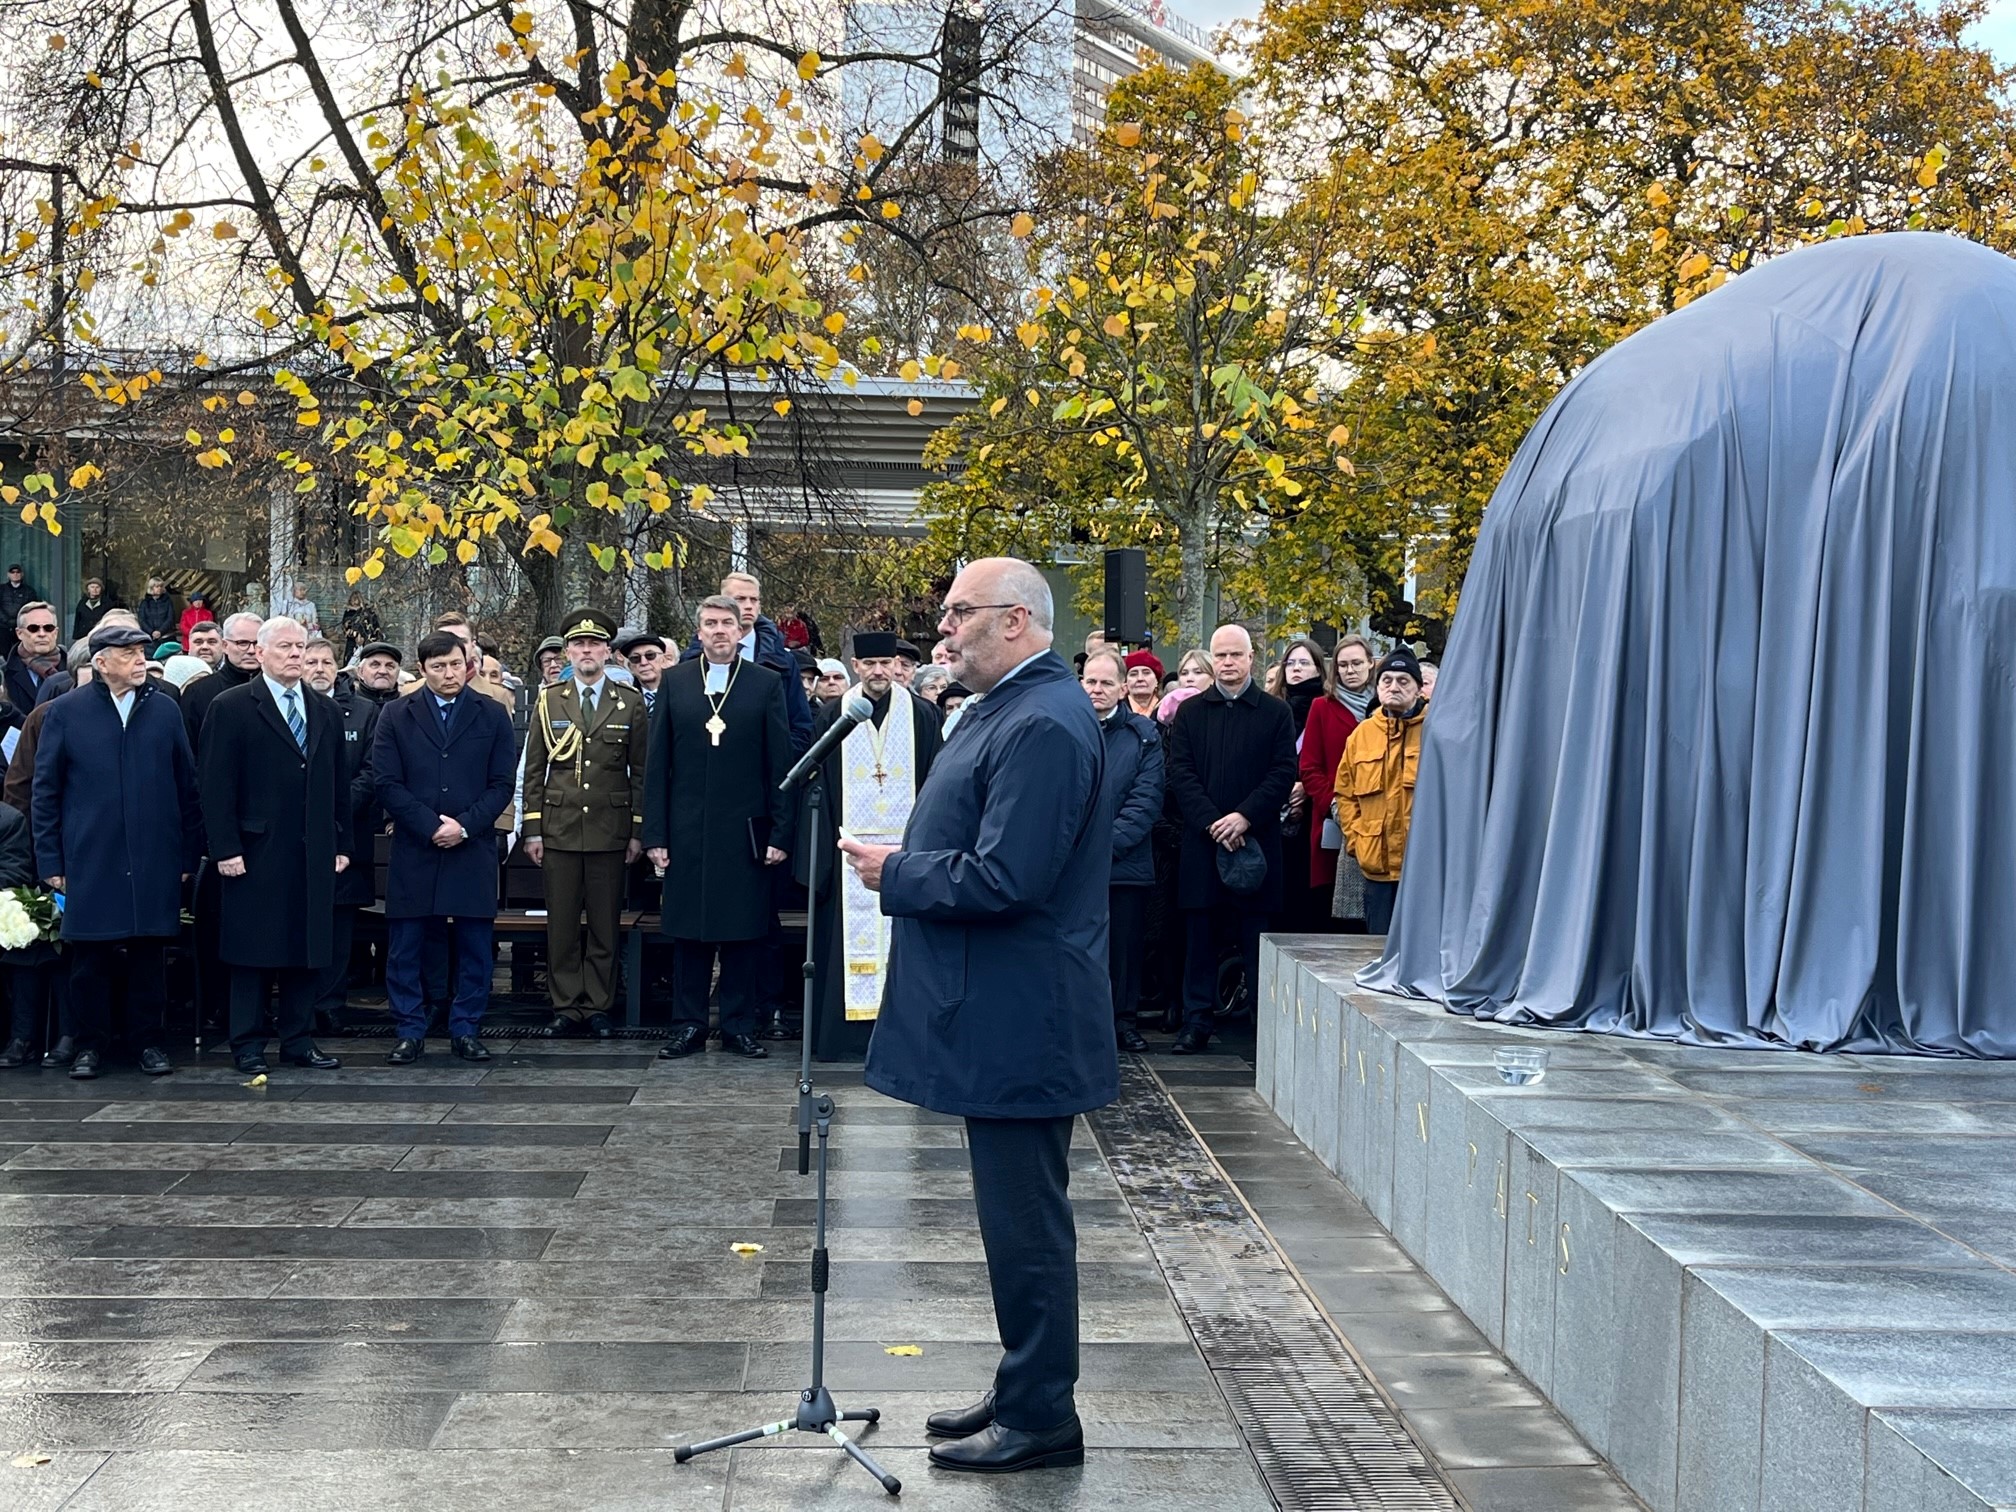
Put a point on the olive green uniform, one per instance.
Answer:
(584, 800)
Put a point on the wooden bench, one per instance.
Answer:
(521, 916)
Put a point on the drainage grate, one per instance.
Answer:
(1322, 1435)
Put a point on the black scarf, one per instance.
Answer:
(1301, 698)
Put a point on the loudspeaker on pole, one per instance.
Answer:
(1127, 596)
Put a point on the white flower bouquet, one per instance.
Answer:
(27, 914)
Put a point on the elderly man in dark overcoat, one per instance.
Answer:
(443, 763)
(715, 824)
(997, 1006)
(1231, 765)
(118, 828)
(276, 811)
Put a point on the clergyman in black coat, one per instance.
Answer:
(834, 1035)
(1231, 766)
(276, 813)
(715, 821)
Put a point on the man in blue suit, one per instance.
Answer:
(443, 763)
(998, 1006)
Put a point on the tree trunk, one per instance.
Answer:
(1193, 583)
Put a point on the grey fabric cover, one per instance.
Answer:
(1724, 748)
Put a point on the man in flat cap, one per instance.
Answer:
(584, 809)
(869, 786)
(647, 656)
(111, 750)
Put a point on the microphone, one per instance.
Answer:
(852, 713)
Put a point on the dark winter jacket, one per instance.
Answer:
(116, 813)
(998, 1002)
(1133, 789)
(1230, 755)
(420, 775)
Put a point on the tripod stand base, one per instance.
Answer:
(816, 1414)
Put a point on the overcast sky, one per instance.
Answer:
(1998, 31)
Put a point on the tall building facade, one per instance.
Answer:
(1009, 79)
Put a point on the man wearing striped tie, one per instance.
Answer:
(277, 819)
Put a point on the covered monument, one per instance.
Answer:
(1725, 746)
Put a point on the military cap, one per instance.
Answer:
(587, 623)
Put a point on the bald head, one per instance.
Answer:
(998, 614)
(1231, 659)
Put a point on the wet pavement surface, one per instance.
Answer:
(515, 1287)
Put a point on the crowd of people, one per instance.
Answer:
(240, 792)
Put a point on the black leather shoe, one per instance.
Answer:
(746, 1045)
(961, 1422)
(85, 1067)
(469, 1047)
(155, 1062)
(1192, 1042)
(61, 1053)
(600, 1027)
(406, 1051)
(687, 1039)
(1130, 1039)
(564, 1026)
(251, 1065)
(16, 1054)
(996, 1450)
(779, 1028)
(314, 1060)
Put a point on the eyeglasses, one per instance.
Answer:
(38, 629)
(241, 644)
(960, 613)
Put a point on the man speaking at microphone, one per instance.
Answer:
(997, 1005)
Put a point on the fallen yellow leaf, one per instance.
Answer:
(904, 1349)
(747, 1249)
(29, 1460)
(257, 1081)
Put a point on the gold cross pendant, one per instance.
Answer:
(879, 774)
(716, 728)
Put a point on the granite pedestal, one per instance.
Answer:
(1754, 1281)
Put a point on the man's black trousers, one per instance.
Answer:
(295, 1019)
(1203, 930)
(741, 982)
(1021, 1178)
(95, 966)
(1126, 939)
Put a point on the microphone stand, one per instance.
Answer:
(816, 1412)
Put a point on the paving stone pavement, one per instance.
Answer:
(513, 1288)
(452, 1287)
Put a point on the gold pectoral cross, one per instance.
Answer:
(716, 727)
(879, 774)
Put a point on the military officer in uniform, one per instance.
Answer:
(583, 814)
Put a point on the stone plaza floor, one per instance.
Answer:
(514, 1286)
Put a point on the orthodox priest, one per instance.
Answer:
(714, 823)
(868, 787)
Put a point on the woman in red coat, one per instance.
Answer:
(1331, 721)
(197, 612)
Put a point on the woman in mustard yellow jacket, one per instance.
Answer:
(1375, 784)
